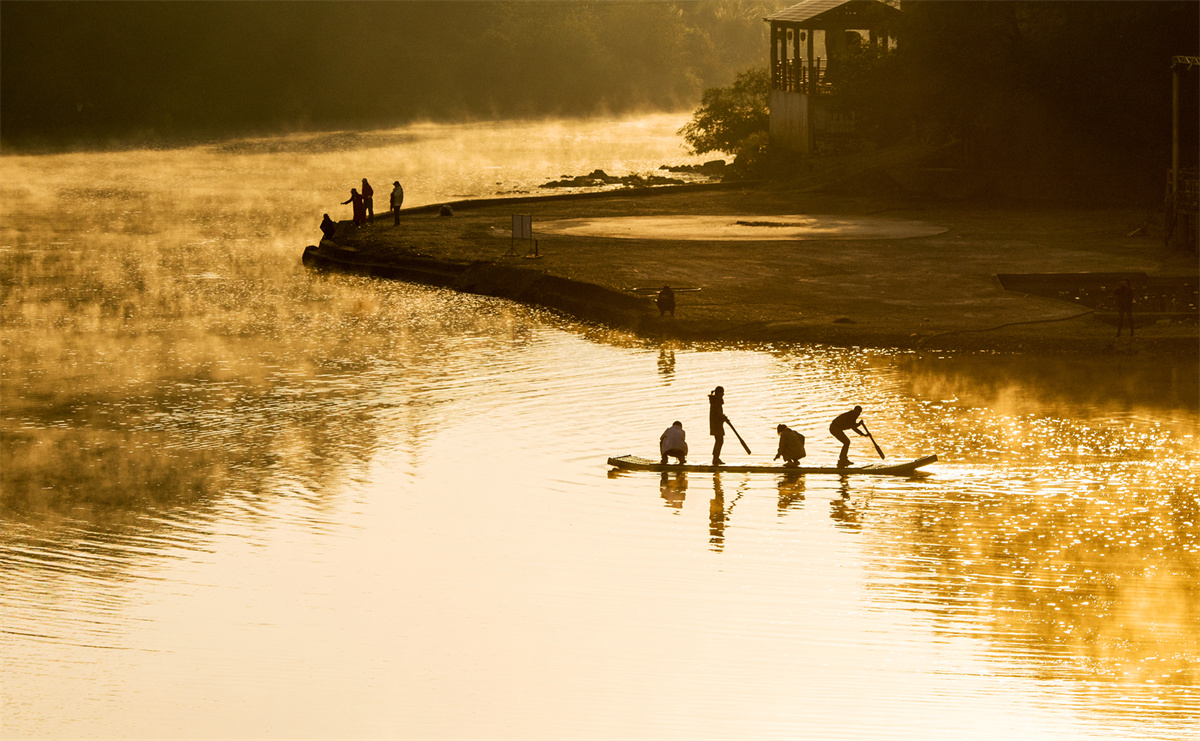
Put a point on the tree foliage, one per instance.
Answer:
(73, 70)
(728, 116)
(1014, 80)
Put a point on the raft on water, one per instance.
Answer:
(635, 463)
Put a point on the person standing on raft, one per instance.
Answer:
(673, 442)
(716, 422)
(838, 427)
(791, 446)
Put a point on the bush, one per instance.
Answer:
(728, 116)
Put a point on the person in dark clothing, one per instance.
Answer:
(666, 301)
(397, 199)
(716, 422)
(791, 446)
(359, 208)
(1124, 299)
(838, 427)
(327, 228)
(368, 194)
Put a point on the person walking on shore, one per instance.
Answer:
(358, 207)
(368, 194)
(1124, 299)
(837, 428)
(397, 199)
(673, 442)
(716, 422)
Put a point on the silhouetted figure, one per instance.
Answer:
(368, 194)
(397, 199)
(666, 301)
(673, 443)
(716, 422)
(791, 446)
(358, 207)
(328, 227)
(838, 427)
(1124, 299)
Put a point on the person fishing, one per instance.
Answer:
(716, 422)
(791, 446)
(673, 443)
(359, 210)
(846, 421)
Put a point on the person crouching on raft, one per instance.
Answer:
(673, 442)
(791, 446)
(838, 427)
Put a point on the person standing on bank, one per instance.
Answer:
(673, 442)
(666, 301)
(716, 422)
(1124, 299)
(368, 194)
(356, 204)
(837, 428)
(397, 199)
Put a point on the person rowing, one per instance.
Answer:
(791, 446)
(846, 421)
(716, 422)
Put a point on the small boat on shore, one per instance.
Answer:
(900, 468)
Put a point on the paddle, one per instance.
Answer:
(877, 450)
(739, 437)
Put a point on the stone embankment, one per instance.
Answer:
(943, 291)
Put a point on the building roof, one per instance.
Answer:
(834, 13)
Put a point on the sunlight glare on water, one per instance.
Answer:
(243, 500)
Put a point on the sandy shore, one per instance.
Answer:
(891, 269)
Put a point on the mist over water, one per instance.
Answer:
(245, 500)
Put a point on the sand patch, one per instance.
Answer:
(741, 228)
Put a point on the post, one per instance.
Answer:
(812, 79)
(775, 70)
(1174, 130)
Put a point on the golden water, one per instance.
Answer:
(243, 500)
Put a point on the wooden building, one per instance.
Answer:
(807, 39)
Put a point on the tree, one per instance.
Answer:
(728, 116)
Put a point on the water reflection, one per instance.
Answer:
(673, 487)
(791, 491)
(210, 457)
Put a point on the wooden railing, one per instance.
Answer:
(796, 76)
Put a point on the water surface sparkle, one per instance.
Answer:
(242, 500)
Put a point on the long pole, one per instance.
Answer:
(872, 437)
(739, 437)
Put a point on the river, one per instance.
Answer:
(244, 500)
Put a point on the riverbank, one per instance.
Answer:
(855, 278)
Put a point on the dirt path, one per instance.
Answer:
(929, 281)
